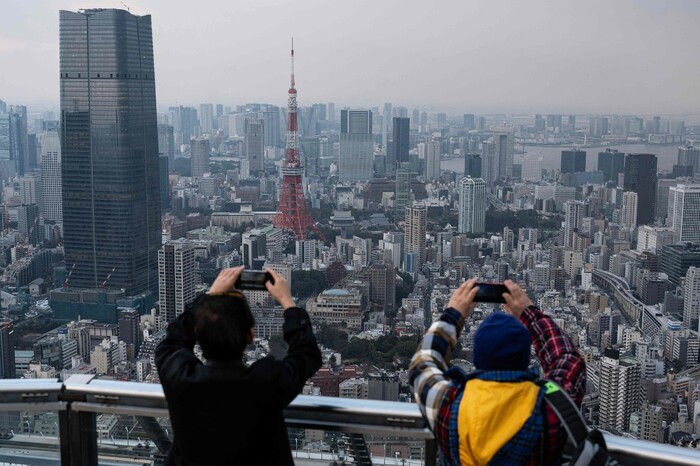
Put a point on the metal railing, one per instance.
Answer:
(80, 398)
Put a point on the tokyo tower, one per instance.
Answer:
(292, 213)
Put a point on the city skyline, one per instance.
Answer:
(612, 76)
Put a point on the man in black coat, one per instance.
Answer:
(224, 411)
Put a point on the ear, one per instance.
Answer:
(251, 335)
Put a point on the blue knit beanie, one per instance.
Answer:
(501, 343)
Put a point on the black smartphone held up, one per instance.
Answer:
(490, 293)
(253, 280)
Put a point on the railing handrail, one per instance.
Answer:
(384, 417)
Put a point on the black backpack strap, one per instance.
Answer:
(566, 410)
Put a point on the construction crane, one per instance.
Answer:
(108, 277)
(65, 282)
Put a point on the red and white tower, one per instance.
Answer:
(292, 213)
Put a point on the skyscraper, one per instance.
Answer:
(199, 158)
(691, 297)
(472, 165)
(619, 389)
(356, 145)
(414, 232)
(532, 169)
(166, 142)
(472, 205)
(19, 141)
(403, 187)
(206, 118)
(684, 212)
(573, 218)
(255, 144)
(640, 177)
(690, 156)
(109, 149)
(503, 150)
(51, 192)
(629, 209)
(7, 350)
(611, 163)
(400, 134)
(175, 277)
(573, 161)
(432, 160)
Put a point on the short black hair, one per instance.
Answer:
(222, 324)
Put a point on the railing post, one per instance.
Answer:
(78, 431)
(430, 452)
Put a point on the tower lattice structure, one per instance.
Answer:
(292, 213)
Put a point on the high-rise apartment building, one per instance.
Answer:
(255, 144)
(619, 389)
(50, 163)
(640, 177)
(30, 188)
(629, 210)
(611, 163)
(684, 212)
(503, 150)
(356, 145)
(472, 205)
(573, 161)
(414, 232)
(573, 220)
(199, 158)
(109, 150)
(653, 239)
(175, 277)
(691, 296)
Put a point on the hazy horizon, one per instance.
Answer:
(595, 57)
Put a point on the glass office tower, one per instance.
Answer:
(109, 146)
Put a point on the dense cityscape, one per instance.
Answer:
(117, 211)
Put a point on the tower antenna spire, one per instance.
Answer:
(292, 62)
(292, 212)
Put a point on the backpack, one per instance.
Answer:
(589, 445)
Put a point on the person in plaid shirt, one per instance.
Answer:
(496, 414)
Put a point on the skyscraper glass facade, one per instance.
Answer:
(109, 148)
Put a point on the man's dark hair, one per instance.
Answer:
(222, 324)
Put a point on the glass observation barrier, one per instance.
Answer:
(87, 421)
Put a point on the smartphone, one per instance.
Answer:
(490, 293)
(253, 280)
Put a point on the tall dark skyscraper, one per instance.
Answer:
(109, 149)
(611, 163)
(472, 165)
(7, 350)
(573, 161)
(402, 127)
(641, 177)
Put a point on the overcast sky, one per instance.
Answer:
(592, 56)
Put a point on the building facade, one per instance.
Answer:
(472, 205)
(109, 150)
(356, 145)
